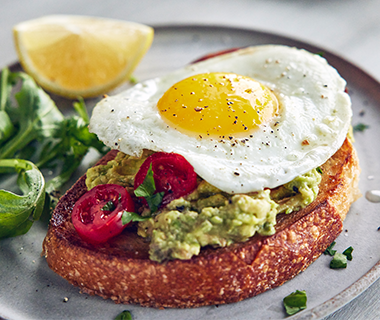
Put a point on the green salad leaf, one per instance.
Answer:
(34, 129)
(37, 117)
(295, 302)
(6, 126)
(17, 212)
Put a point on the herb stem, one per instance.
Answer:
(3, 88)
(18, 142)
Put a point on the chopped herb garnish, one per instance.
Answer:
(360, 127)
(128, 217)
(329, 250)
(320, 53)
(147, 189)
(319, 170)
(348, 253)
(339, 261)
(133, 79)
(125, 315)
(109, 206)
(154, 201)
(295, 302)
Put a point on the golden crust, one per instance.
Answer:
(121, 269)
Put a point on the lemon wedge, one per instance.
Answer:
(80, 56)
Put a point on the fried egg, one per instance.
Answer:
(252, 119)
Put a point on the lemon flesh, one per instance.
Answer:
(80, 56)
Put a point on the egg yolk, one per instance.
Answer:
(217, 104)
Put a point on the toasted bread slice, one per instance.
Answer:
(121, 269)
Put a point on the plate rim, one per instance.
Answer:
(370, 277)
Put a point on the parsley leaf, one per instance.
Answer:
(80, 108)
(295, 302)
(127, 217)
(147, 189)
(319, 170)
(329, 250)
(339, 261)
(154, 201)
(36, 116)
(68, 148)
(125, 315)
(360, 127)
(109, 206)
(348, 253)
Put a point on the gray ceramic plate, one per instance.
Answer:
(30, 290)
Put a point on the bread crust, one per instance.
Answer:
(121, 269)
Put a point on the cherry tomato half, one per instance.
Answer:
(172, 173)
(97, 214)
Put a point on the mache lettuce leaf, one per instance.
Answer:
(6, 126)
(18, 212)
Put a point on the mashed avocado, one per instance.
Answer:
(180, 231)
(121, 170)
(208, 216)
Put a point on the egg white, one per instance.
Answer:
(315, 114)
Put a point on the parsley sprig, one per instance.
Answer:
(295, 302)
(32, 128)
(147, 190)
(339, 260)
